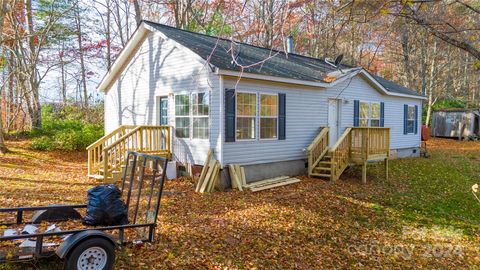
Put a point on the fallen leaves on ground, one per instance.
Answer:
(310, 225)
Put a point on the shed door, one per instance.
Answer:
(333, 120)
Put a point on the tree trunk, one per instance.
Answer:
(3, 147)
(107, 37)
(431, 85)
(119, 24)
(406, 57)
(62, 69)
(34, 105)
(423, 68)
(81, 55)
(138, 14)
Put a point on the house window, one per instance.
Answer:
(200, 103)
(369, 114)
(182, 116)
(191, 116)
(246, 116)
(364, 113)
(411, 119)
(268, 116)
(375, 114)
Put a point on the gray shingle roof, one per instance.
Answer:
(278, 63)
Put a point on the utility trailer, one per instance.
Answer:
(93, 248)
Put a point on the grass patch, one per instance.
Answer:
(433, 191)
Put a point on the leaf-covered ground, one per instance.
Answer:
(424, 216)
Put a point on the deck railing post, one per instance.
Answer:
(105, 164)
(89, 162)
(141, 139)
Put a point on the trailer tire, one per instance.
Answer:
(94, 253)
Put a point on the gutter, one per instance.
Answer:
(352, 72)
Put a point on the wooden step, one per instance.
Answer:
(325, 162)
(96, 176)
(322, 169)
(321, 175)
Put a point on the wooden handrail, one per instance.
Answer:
(315, 141)
(121, 139)
(356, 145)
(317, 149)
(340, 155)
(370, 143)
(109, 135)
(109, 154)
(340, 140)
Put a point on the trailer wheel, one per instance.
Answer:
(92, 254)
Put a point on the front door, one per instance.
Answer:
(162, 111)
(333, 120)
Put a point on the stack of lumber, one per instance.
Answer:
(271, 183)
(238, 179)
(210, 174)
(237, 176)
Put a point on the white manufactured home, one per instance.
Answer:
(273, 112)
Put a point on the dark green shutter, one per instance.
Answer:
(229, 115)
(382, 114)
(416, 119)
(281, 116)
(405, 119)
(356, 112)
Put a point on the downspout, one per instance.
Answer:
(221, 119)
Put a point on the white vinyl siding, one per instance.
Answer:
(307, 111)
(158, 69)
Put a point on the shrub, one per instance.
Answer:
(67, 128)
(43, 143)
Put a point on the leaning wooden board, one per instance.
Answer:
(210, 172)
(204, 170)
(234, 177)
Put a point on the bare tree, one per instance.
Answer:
(81, 54)
(3, 10)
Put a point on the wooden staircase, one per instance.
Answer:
(357, 145)
(107, 156)
(323, 168)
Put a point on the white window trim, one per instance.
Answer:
(271, 117)
(379, 113)
(190, 114)
(182, 116)
(360, 118)
(200, 116)
(158, 102)
(413, 119)
(255, 116)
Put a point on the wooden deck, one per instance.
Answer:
(357, 145)
(107, 155)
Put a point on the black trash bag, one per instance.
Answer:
(105, 207)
